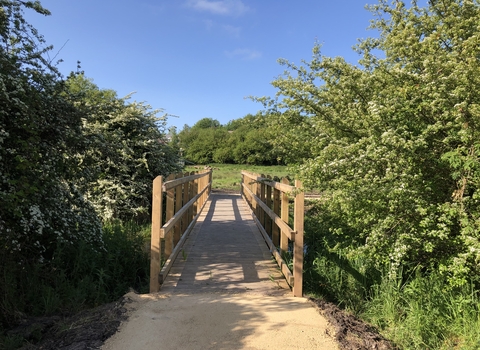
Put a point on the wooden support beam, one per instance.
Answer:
(284, 210)
(178, 205)
(174, 220)
(282, 224)
(284, 187)
(299, 212)
(268, 202)
(169, 214)
(175, 182)
(276, 210)
(155, 242)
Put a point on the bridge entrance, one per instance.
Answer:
(225, 252)
(226, 242)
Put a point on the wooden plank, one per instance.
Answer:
(171, 223)
(190, 196)
(268, 202)
(282, 186)
(175, 182)
(261, 218)
(169, 214)
(155, 243)
(195, 192)
(185, 219)
(169, 263)
(278, 258)
(282, 224)
(284, 215)
(276, 210)
(299, 212)
(178, 205)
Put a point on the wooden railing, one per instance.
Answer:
(186, 195)
(269, 202)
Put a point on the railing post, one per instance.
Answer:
(191, 194)
(185, 219)
(262, 198)
(178, 205)
(255, 192)
(195, 192)
(170, 211)
(285, 217)
(298, 221)
(268, 202)
(210, 180)
(276, 210)
(155, 243)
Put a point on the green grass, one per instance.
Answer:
(423, 312)
(227, 176)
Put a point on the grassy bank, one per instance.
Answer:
(227, 176)
(78, 277)
(416, 309)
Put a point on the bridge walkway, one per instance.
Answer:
(225, 252)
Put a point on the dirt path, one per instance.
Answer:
(221, 321)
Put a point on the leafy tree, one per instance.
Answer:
(243, 141)
(41, 208)
(201, 144)
(206, 123)
(126, 149)
(39, 132)
(394, 141)
(68, 151)
(174, 141)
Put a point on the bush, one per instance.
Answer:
(78, 276)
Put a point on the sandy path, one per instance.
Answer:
(221, 321)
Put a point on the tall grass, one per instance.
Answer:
(77, 276)
(423, 312)
(417, 310)
(228, 177)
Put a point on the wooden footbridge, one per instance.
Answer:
(224, 242)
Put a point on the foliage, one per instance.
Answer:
(415, 309)
(126, 149)
(69, 152)
(241, 141)
(394, 140)
(39, 129)
(226, 177)
(78, 276)
(420, 314)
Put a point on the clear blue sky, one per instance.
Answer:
(197, 58)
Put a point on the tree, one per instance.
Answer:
(206, 123)
(126, 149)
(42, 208)
(39, 132)
(394, 141)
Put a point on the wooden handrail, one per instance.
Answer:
(178, 215)
(277, 219)
(174, 183)
(258, 195)
(265, 180)
(186, 194)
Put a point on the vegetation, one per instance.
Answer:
(76, 167)
(241, 141)
(227, 177)
(393, 145)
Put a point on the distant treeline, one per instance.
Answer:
(242, 141)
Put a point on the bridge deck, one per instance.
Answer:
(225, 252)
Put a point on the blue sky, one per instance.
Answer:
(197, 58)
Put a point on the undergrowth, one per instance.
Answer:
(417, 309)
(77, 277)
